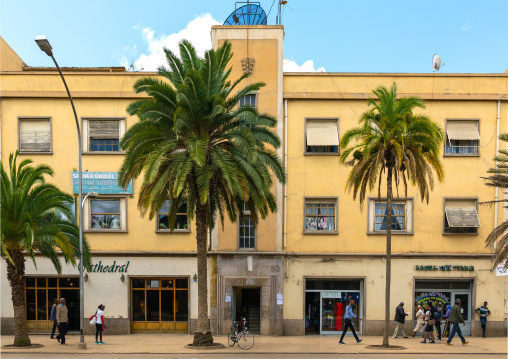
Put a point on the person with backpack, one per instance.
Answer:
(438, 315)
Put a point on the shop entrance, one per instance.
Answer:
(325, 305)
(159, 305)
(247, 304)
(39, 295)
(446, 292)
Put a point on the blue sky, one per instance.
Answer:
(336, 36)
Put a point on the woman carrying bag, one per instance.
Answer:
(99, 324)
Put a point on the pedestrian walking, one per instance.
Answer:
(52, 318)
(420, 320)
(99, 325)
(438, 315)
(446, 330)
(430, 321)
(348, 316)
(484, 313)
(62, 320)
(400, 318)
(455, 319)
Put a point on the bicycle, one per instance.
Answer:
(244, 339)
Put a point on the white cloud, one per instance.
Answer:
(465, 27)
(307, 66)
(197, 32)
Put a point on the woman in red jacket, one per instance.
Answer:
(339, 312)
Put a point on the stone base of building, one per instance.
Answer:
(115, 326)
(376, 328)
(7, 327)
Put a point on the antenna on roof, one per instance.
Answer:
(278, 20)
(436, 63)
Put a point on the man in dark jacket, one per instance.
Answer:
(400, 317)
(455, 319)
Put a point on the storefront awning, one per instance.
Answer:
(462, 217)
(462, 130)
(322, 133)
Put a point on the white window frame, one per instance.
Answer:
(409, 215)
(247, 213)
(180, 230)
(86, 137)
(87, 214)
(255, 94)
(472, 200)
(36, 118)
(319, 153)
(327, 200)
(447, 142)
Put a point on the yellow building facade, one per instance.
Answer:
(291, 273)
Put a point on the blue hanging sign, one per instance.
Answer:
(100, 182)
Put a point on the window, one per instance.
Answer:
(402, 216)
(461, 216)
(249, 100)
(39, 295)
(181, 223)
(322, 136)
(246, 230)
(462, 138)
(102, 135)
(34, 135)
(106, 214)
(320, 215)
(398, 217)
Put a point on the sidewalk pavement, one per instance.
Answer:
(324, 344)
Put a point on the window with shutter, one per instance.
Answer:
(104, 135)
(35, 135)
(322, 136)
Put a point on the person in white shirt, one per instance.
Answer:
(99, 325)
(420, 321)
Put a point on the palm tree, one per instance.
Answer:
(499, 178)
(36, 217)
(195, 144)
(394, 141)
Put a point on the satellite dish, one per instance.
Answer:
(250, 14)
(436, 63)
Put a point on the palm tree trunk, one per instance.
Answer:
(388, 254)
(15, 273)
(202, 336)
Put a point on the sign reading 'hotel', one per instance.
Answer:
(100, 182)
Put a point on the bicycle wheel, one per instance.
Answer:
(231, 338)
(245, 340)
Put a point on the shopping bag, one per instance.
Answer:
(93, 320)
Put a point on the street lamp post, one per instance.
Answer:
(46, 47)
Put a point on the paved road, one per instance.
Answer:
(246, 355)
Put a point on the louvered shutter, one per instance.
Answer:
(35, 135)
(104, 129)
